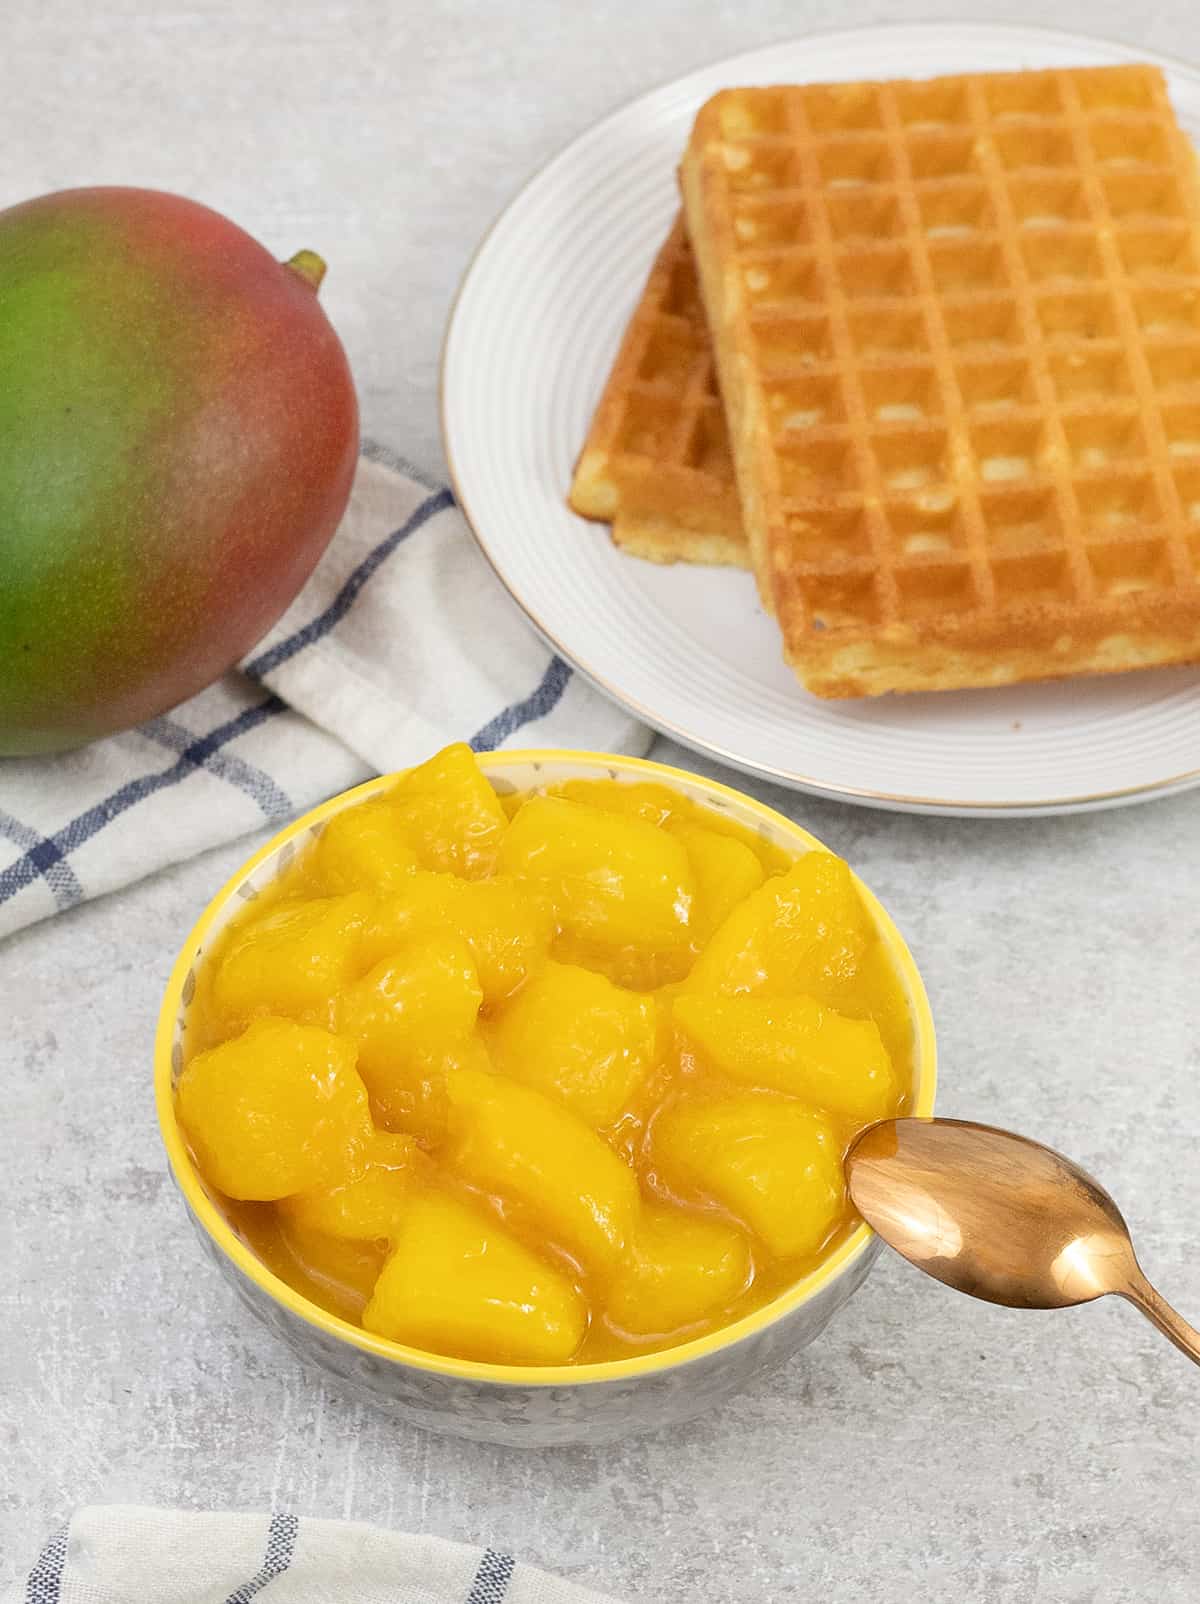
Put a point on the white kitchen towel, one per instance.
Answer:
(402, 641)
(124, 1555)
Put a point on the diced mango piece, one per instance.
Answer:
(507, 929)
(426, 994)
(800, 933)
(365, 1207)
(575, 1036)
(726, 872)
(641, 800)
(276, 1110)
(681, 1265)
(879, 993)
(336, 1273)
(410, 1096)
(364, 848)
(450, 813)
(792, 1044)
(666, 1047)
(616, 883)
(774, 1164)
(293, 960)
(456, 1282)
(513, 1141)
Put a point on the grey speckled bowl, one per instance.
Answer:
(510, 1404)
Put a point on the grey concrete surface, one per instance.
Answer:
(926, 1449)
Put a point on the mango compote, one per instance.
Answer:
(545, 1078)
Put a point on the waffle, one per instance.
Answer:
(957, 326)
(656, 463)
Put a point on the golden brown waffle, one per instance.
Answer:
(957, 325)
(656, 464)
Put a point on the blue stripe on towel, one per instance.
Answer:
(51, 850)
(492, 1578)
(281, 1547)
(544, 699)
(60, 877)
(44, 1584)
(341, 604)
(257, 784)
(375, 451)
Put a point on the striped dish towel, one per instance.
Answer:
(118, 1555)
(402, 641)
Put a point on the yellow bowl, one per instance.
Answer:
(512, 1404)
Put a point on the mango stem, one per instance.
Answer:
(310, 267)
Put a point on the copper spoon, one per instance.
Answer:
(1001, 1218)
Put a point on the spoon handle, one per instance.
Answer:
(1159, 1312)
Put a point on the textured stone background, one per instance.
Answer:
(927, 1448)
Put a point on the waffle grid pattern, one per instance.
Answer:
(973, 311)
(657, 460)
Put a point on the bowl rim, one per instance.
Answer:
(217, 1228)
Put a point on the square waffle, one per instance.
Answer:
(656, 462)
(957, 326)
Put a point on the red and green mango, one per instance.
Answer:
(178, 436)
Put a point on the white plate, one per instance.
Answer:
(530, 343)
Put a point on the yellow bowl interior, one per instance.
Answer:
(231, 1245)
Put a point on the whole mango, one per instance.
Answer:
(178, 435)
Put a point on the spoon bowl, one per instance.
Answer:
(1000, 1217)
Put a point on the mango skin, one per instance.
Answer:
(178, 437)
